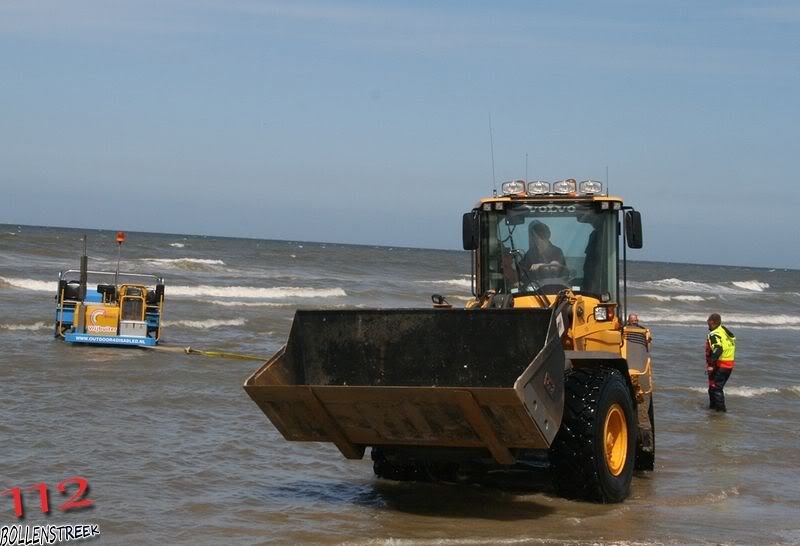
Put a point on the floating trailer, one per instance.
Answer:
(108, 307)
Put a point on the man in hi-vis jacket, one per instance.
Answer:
(720, 354)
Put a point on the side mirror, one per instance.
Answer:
(470, 231)
(633, 228)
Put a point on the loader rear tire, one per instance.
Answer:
(594, 452)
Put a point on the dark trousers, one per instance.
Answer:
(716, 382)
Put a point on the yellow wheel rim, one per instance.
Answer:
(615, 435)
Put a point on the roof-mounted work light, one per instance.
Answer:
(591, 187)
(539, 187)
(565, 186)
(515, 187)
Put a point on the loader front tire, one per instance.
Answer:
(594, 452)
(385, 468)
(645, 460)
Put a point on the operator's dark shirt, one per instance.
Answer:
(551, 253)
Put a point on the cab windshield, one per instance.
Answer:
(546, 247)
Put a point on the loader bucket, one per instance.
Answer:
(490, 379)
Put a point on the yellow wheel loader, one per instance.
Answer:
(540, 370)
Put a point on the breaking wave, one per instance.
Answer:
(254, 292)
(249, 303)
(685, 297)
(750, 392)
(188, 264)
(246, 292)
(26, 327)
(461, 283)
(753, 286)
(666, 316)
(744, 392)
(678, 285)
(29, 284)
(184, 260)
(210, 323)
(177, 245)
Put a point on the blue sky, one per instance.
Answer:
(368, 122)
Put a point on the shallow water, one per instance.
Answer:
(176, 453)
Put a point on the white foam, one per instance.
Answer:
(249, 303)
(461, 283)
(722, 495)
(795, 389)
(30, 284)
(787, 328)
(744, 392)
(500, 541)
(182, 261)
(26, 327)
(248, 292)
(753, 286)
(656, 297)
(674, 285)
(210, 323)
(750, 392)
(684, 297)
(730, 319)
(278, 292)
(678, 285)
(177, 245)
(689, 298)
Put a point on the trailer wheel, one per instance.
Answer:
(594, 451)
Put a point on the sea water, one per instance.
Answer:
(175, 452)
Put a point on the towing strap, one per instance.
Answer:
(214, 354)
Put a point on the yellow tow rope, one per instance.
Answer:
(216, 354)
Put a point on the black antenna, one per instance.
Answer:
(526, 167)
(491, 147)
(608, 192)
(84, 271)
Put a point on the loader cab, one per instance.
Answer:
(541, 239)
